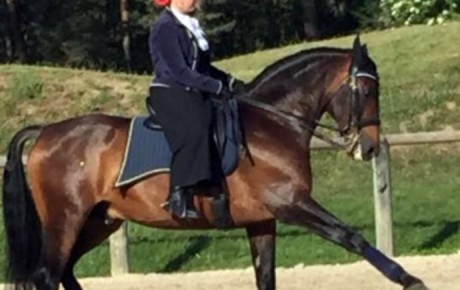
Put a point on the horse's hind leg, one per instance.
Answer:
(262, 241)
(64, 212)
(60, 236)
(313, 216)
(94, 232)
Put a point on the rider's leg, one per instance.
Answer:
(186, 120)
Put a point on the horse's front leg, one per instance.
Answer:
(309, 214)
(262, 241)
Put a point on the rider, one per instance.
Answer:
(180, 96)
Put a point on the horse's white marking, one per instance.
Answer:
(279, 195)
(257, 261)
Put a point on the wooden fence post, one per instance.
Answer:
(119, 259)
(383, 200)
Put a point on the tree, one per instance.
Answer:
(124, 10)
(107, 34)
(310, 19)
(17, 46)
(5, 40)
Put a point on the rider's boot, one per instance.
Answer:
(180, 203)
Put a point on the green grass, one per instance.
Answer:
(420, 79)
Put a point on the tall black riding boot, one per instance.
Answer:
(221, 206)
(180, 203)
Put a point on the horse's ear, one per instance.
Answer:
(357, 44)
(357, 51)
(364, 49)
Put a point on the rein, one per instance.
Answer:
(292, 119)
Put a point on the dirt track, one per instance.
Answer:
(438, 272)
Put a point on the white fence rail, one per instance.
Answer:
(382, 193)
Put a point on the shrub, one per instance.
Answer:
(407, 12)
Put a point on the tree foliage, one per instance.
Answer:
(406, 12)
(91, 33)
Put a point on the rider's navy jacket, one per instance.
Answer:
(178, 60)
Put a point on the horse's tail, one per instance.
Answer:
(24, 241)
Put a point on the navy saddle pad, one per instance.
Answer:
(147, 151)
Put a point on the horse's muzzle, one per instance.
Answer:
(370, 146)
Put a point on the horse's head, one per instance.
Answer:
(355, 107)
(309, 83)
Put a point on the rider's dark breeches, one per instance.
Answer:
(186, 120)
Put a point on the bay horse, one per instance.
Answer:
(73, 164)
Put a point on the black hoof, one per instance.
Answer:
(416, 286)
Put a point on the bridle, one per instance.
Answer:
(355, 121)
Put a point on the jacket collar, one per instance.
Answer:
(173, 18)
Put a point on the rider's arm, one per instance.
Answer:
(166, 45)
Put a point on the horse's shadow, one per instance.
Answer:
(199, 243)
(196, 245)
(449, 229)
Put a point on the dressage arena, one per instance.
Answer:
(439, 272)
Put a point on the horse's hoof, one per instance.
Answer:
(417, 286)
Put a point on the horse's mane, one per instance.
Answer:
(289, 65)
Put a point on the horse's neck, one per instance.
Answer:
(306, 97)
(307, 104)
(306, 101)
(257, 122)
(303, 94)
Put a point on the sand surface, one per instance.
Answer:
(438, 272)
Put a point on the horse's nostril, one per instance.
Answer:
(370, 152)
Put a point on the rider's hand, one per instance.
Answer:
(236, 86)
(224, 94)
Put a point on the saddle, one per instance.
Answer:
(228, 137)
